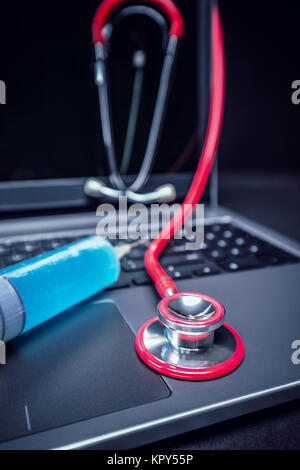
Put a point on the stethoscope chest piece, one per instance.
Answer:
(189, 339)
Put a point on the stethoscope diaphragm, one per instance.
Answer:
(189, 339)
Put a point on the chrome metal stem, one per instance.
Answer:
(189, 342)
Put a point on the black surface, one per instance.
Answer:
(60, 372)
(273, 429)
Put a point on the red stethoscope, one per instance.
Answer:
(188, 339)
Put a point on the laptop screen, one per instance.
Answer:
(50, 124)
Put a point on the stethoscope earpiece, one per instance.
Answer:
(189, 339)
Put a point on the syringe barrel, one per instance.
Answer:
(36, 290)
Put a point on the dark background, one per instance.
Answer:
(261, 126)
(50, 125)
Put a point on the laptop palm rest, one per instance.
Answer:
(77, 366)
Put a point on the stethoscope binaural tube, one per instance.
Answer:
(189, 339)
(103, 14)
(108, 7)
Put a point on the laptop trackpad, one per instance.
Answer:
(78, 366)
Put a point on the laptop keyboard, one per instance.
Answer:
(226, 249)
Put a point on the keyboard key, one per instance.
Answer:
(222, 243)
(241, 263)
(179, 275)
(194, 257)
(29, 248)
(228, 234)
(14, 259)
(240, 241)
(254, 248)
(236, 252)
(207, 270)
(188, 258)
(210, 236)
(233, 266)
(216, 228)
(178, 272)
(137, 253)
(255, 245)
(55, 243)
(175, 249)
(216, 254)
(130, 265)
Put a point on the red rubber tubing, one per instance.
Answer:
(107, 7)
(160, 278)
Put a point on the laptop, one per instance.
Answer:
(76, 382)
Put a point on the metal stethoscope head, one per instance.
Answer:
(101, 35)
(189, 339)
